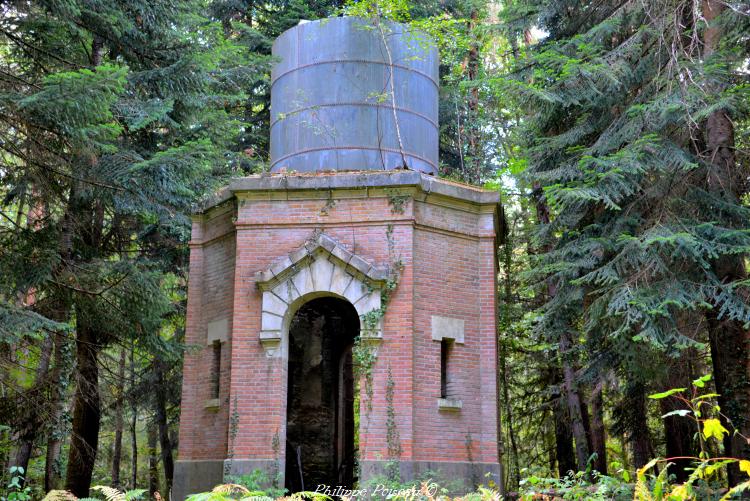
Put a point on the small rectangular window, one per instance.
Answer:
(216, 369)
(444, 347)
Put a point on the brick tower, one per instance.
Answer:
(344, 304)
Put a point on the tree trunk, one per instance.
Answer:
(163, 424)
(23, 450)
(586, 418)
(573, 402)
(153, 460)
(638, 433)
(84, 440)
(569, 394)
(516, 470)
(728, 338)
(730, 363)
(564, 451)
(33, 419)
(678, 430)
(473, 118)
(52, 475)
(133, 423)
(58, 379)
(119, 421)
(597, 431)
(505, 326)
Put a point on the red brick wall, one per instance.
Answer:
(203, 431)
(454, 279)
(268, 230)
(448, 266)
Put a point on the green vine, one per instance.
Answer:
(59, 425)
(372, 317)
(364, 352)
(363, 358)
(397, 202)
(329, 205)
(234, 422)
(275, 473)
(392, 438)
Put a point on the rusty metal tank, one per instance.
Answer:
(333, 92)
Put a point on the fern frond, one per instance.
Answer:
(743, 487)
(59, 495)
(315, 496)
(135, 494)
(642, 492)
(257, 496)
(110, 493)
(230, 489)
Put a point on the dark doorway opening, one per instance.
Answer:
(320, 438)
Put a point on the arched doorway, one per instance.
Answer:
(320, 438)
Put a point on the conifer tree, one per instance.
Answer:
(116, 118)
(630, 109)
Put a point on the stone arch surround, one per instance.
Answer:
(321, 267)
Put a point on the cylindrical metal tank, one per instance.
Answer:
(332, 99)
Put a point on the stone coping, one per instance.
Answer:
(351, 180)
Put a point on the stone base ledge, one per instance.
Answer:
(271, 467)
(202, 475)
(459, 477)
(199, 475)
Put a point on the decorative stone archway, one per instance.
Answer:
(321, 267)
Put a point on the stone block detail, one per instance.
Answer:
(340, 280)
(274, 304)
(321, 266)
(218, 330)
(321, 245)
(303, 281)
(271, 322)
(322, 272)
(271, 341)
(447, 328)
(449, 404)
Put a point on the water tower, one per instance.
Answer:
(345, 303)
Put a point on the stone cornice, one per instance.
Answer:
(352, 181)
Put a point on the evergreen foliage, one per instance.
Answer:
(619, 99)
(616, 151)
(617, 133)
(117, 117)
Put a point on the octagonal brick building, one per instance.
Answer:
(343, 305)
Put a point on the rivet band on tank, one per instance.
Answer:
(354, 103)
(375, 149)
(359, 61)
